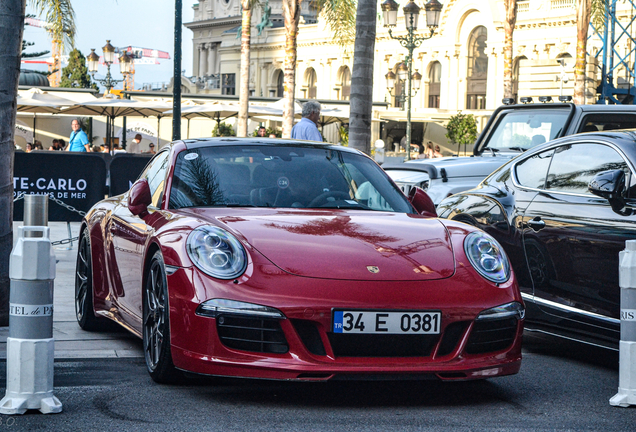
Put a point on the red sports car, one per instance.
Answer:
(298, 261)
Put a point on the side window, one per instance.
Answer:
(155, 173)
(607, 122)
(573, 166)
(532, 172)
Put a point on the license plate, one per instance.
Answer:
(381, 322)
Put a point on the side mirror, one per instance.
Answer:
(422, 202)
(608, 184)
(139, 198)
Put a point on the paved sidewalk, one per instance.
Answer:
(71, 342)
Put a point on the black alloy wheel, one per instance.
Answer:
(156, 324)
(84, 286)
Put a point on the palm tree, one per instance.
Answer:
(509, 27)
(583, 12)
(244, 93)
(361, 99)
(60, 14)
(340, 17)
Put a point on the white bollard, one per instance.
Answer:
(30, 345)
(626, 395)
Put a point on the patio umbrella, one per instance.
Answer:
(112, 108)
(213, 110)
(333, 115)
(37, 101)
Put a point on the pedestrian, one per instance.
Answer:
(438, 153)
(429, 152)
(134, 147)
(306, 128)
(106, 148)
(262, 132)
(37, 145)
(151, 149)
(96, 149)
(78, 141)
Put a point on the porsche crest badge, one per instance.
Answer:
(373, 269)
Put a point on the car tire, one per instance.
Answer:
(156, 324)
(84, 286)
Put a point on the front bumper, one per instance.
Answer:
(301, 346)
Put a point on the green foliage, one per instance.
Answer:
(462, 129)
(61, 18)
(340, 16)
(344, 136)
(223, 129)
(268, 131)
(75, 75)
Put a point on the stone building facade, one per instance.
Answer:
(462, 65)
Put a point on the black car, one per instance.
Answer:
(562, 212)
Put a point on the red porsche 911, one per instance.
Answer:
(292, 260)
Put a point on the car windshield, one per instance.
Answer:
(520, 130)
(282, 176)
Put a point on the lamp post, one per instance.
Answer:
(109, 57)
(410, 41)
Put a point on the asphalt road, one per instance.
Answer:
(561, 386)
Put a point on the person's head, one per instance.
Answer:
(37, 145)
(151, 147)
(55, 143)
(137, 138)
(29, 147)
(262, 131)
(106, 147)
(311, 110)
(97, 149)
(437, 149)
(420, 149)
(61, 143)
(429, 145)
(75, 125)
(273, 135)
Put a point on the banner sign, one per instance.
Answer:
(75, 179)
(124, 170)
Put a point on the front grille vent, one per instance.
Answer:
(310, 336)
(374, 345)
(491, 335)
(251, 334)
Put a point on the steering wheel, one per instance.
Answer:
(323, 197)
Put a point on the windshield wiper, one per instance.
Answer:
(492, 150)
(521, 149)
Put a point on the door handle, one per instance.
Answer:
(536, 224)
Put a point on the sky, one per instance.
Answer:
(142, 23)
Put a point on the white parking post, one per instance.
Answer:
(30, 345)
(626, 395)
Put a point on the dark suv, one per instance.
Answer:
(511, 130)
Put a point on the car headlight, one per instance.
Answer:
(216, 252)
(487, 257)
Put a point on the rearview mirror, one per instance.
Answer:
(139, 198)
(422, 202)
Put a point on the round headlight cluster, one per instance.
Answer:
(216, 252)
(487, 257)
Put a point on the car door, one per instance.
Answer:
(572, 240)
(129, 236)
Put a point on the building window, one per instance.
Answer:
(477, 69)
(228, 86)
(311, 81)
(345, 83)
(434, 78)
(280, 84)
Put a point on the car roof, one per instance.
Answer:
(270, 142)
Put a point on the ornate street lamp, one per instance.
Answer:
(410, 41)
(109, 57)
(402, 77)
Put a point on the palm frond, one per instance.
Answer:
(61, 18)
(600, 9)
(340, 16)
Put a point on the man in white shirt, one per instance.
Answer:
(133, 147)
(306, 128)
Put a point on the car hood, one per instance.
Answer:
(352, 245)
(454, 166)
